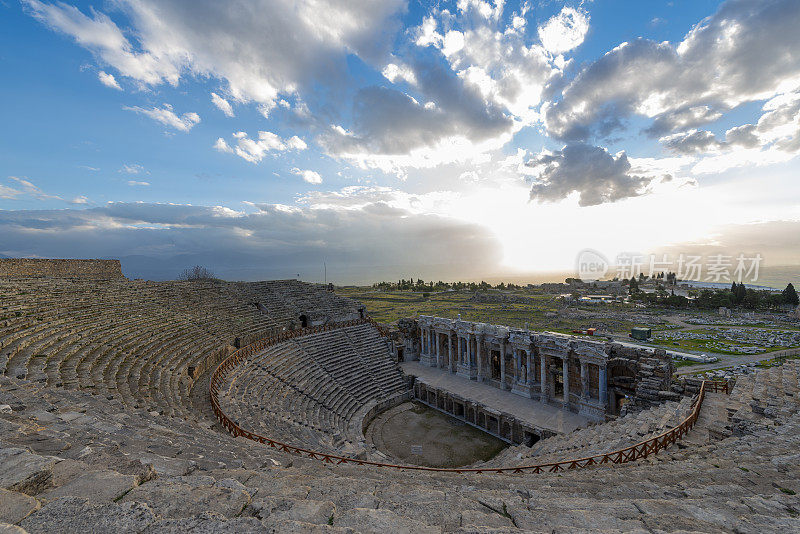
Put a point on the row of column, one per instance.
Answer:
(430, 345)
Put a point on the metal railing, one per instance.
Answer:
(642, 449)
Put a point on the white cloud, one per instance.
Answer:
(746, 51)
(509, 71)
(309, 176)
(108, 80)
(82, 199)
(393, 72)
(254, 150)
(295, 143)
(426, 32)
(9, 193)
(222, 104)
(773, 139)
(222, 146)
(691, 142)
(22, 187)
(564, 31)
(137, 183)
(453, 42)
(288, 45)
(167, 117)
(133, 168)
(102, 36)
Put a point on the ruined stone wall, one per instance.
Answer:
(408, 338)
(652, 373)
(51, 268)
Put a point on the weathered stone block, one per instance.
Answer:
(73, 514)
(15, 506)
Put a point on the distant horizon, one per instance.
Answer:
(775, 277)
(469, 139)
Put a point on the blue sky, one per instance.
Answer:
(264, 137)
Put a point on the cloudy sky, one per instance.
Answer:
(389, 138)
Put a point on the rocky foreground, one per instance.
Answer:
(71, 461)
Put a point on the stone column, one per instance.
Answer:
(565, 376)
(502, 364)
(584, 381)
(438, 349)
(602, 386)
(421, 341)
(478, 340)
(543, 373)
(450, 350)
(531, 367)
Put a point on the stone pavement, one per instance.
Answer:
(532, 412)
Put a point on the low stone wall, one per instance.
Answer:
(53, 268)
(649, 375)
(382, 406)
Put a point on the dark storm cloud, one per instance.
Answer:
(591, 171)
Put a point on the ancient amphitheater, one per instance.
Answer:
(210, 406)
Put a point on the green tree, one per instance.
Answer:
(741, 291)
(633, 285)
(790, 295)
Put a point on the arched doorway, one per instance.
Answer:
(304, 321)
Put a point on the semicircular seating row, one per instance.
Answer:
(137, 340)
(599, 438)
(313, 391)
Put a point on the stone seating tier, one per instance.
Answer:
(310, 390)
(137, 340)
(599, 438)
(75, 461)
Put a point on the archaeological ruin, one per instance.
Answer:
(213, 406)
(593, 379)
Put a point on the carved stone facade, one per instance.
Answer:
(591, 378)
(500, 424)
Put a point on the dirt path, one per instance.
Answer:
(732, 361)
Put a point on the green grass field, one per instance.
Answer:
(538, 313)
